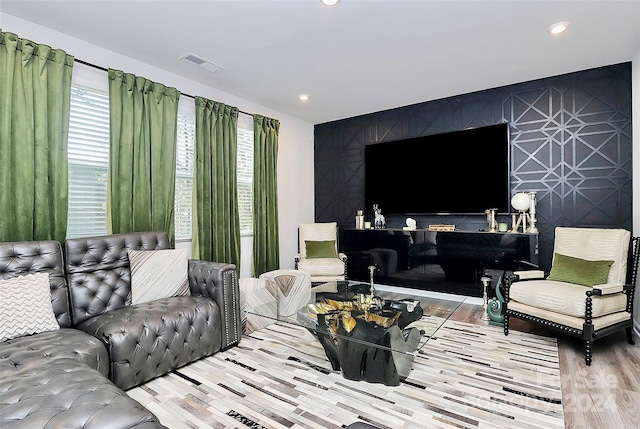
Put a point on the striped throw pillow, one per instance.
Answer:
(25, 306)
(157, 274)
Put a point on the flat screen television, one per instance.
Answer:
(460, 172)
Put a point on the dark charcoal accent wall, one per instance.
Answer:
(570, 141)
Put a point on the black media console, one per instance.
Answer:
(441, 261)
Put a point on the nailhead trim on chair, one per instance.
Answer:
(545, 322)
(234, 300)
(230, 276)
(634, 273)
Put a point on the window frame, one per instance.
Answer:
(245, 152)
(86, 80)
(91, 79)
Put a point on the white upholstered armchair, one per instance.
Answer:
(318, 252)
(589, 292)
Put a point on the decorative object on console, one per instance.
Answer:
(442, 227)
(521, 202)
(359, 219)
(491, 219)
(379, 221)
(411, 224)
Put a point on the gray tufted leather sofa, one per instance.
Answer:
(149, 339)
(57, 379)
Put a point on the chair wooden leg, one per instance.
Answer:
(587, 352)
(505, 325)
(630, 335)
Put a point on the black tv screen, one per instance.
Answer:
(460, 172)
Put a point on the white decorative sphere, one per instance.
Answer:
(521, 201)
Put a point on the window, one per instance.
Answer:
(185, 159)
(245, 173)
(184, 174)
(88, 155)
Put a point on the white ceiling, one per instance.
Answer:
(356, 57)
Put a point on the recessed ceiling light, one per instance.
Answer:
(558, 27)
(329, 2)
(303, 97)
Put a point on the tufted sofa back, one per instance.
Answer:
(30, 257)
(98, 270)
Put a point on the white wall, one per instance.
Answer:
(295, 150)
(635, 115)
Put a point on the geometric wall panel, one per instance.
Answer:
(570, 141)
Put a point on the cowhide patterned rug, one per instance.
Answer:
(466, 376)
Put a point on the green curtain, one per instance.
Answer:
(142, 158)
(216, 219)
(266, 245)
(35, 96)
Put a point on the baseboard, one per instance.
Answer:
(636, 327)
(430, 294)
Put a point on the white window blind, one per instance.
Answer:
(184, 175)
(88, 155)
(245, 173)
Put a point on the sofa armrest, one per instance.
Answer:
(219, 281)
(530, 274)
(608, 289)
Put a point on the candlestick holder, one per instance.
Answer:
(486, 281)
(491, 219)
(532, 214)
(372, 289)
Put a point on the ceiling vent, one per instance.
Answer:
(201, 62)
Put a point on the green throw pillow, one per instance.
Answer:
(579, 271)
(321, 249)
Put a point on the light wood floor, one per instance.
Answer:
(603, 395)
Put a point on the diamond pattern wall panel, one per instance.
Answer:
(570, 142)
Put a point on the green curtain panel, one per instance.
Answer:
(266, 245)
(35, 97)
(216, 219)
(142, 158)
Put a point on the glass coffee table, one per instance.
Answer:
(367, 337)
